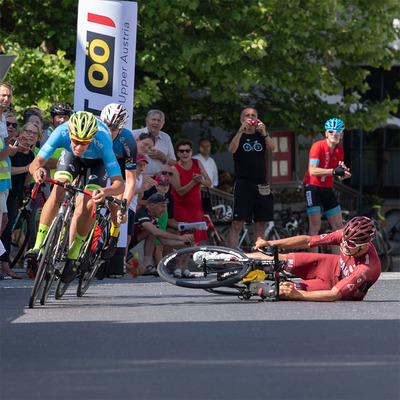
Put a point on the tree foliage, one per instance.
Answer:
(205, 59)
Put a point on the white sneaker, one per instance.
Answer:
(178, 273)
(200, 256)
(188, 274)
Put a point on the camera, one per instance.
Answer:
(253, 122)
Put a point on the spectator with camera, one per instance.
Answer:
(252, 197)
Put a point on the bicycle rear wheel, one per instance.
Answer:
(223, 267)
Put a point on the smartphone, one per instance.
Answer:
(16, 143)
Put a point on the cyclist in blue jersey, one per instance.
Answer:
(87, 151)
(115, 117)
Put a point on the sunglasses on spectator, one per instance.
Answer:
(13, 124)
(147, 135)
(166, 173)
(352, 245)
(30, 132)
(184, 150)
(336, 131)
(81, 142)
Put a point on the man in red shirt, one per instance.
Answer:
(329, 277)
(325, 161)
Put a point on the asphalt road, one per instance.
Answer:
(146, 339)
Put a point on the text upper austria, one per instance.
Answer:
(107, 29)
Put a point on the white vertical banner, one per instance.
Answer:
(105, 54)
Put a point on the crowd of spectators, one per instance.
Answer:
(168, 180)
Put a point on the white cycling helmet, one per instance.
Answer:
(115, 116)
(227, 216)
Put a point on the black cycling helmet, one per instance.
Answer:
(60, 109)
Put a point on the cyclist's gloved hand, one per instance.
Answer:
(339, 171)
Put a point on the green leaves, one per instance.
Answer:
(211, 57)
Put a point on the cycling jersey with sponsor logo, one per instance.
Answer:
(351, 275)
(124, 147)
(101, 147)
(322, 157)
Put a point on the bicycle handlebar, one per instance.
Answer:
(121, 203)
(69, 186)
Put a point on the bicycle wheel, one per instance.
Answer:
(62, 287)
(224, 267)
(19, 239)
(383, 252)
(47, 259)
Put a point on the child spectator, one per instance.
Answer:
(142, 184)
(162, 188)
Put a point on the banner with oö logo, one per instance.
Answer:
(105, 54)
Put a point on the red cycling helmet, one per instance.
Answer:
(359, 230)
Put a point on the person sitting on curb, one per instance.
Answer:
(146, 224)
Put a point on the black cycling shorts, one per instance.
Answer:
(93, 170)
(317, 196)
(249, 205)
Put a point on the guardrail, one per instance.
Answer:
(348, 198)
(218, 196)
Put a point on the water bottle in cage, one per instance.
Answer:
(96, 237)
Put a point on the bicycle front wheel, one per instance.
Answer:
(91, 259)
(47, 260)
(209, 266)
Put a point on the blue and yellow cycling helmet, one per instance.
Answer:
(82, 126)
(334, 123)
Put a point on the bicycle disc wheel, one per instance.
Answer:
(230, 268)
(19, 240)
(46, 259)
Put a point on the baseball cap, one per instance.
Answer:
(163, 179)
(141, 157)
(157, 199)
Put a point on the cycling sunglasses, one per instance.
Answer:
(352, 245)
(184, 150)
(337, 131)
(166, 173)
(13, 124)
(81, 142)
